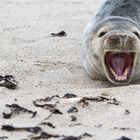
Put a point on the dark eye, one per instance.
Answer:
(101, 34)
(137, 34)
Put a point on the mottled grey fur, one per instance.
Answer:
(120, 15)
(124, 8)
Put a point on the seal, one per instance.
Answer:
(111, 42)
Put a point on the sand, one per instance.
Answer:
(46, 66)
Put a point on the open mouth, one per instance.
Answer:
(119, 65)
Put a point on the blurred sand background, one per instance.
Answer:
(46, 66)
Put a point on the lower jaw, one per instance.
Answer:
(121, 77)
(119, 82)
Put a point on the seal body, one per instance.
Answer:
(111, 42)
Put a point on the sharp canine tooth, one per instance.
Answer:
(114, 52)
(119, 78)
(127, 71)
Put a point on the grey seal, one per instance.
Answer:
(111, 42)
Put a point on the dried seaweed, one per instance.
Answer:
(59, 34)
(66, 96)
(34, 130)
(98, 126)
(76, 124)
(69, 95)
(8, 81)
(71, 138)
(127, 112)
(16, 109)
(51, 107)
(3, 137)
(47, 99)
(76, 138)
(123, 128)
(48, 124)
(73, 110)
(73, 118)
(44, 135)
(124, 138)
(7, 115)
(99, 99)
(86, 135)
(113, 101)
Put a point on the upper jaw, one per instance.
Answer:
(119, 66)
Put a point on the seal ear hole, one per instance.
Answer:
(101, 34)
(137, 34)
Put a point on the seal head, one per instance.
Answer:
(120, 43)
(117, 42)
(111, 42)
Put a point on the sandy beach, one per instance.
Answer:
(46, 66)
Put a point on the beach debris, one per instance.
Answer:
(52, 107)
(7, 115)
(77, 138)
(16, 109)
(3, 137)
(127, 112)
(76, 124)
(123, 128)
(8, 81)
(42, 103)
(124, 138)
(69, 95)
(56, 111)
(86, 135)
(85, 100)
(44, 135)
(73, 118)
(105, 93)
(98, 126)
(47, 99)
(113, 101)
(48, 124)
(71, 138)
(59, 34)
(73, 110)
(34, 130)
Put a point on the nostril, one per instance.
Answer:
(113, 40)
(123, 36)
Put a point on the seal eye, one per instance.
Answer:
(137, 34)
(101, 34)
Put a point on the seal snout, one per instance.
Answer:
(120, 41)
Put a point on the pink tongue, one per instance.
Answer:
(118, 64)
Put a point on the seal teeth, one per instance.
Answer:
(114, 52)
(123, 77)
